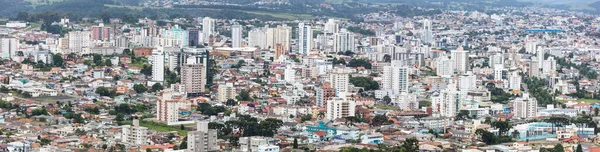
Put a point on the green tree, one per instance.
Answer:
(57, 60)
(244, 96)
(410, 144)
(596, 111)
(295, 144)
(230, 102)
(503, 126)
(107, 62)
(183, 144)
(157, 87)
(387, 100)
(579, 148)
(148, 150)
(379, 120)
(559, 148)
(364, 82)
(140, 88)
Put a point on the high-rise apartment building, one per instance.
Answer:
(525, 107)
(257, 37)
(203, 139)
(226, 91)
(444, 66)
(305, 38)
(176, 33)
(208, 28)
(331, 26)
(101, 33)
(340, 108)
(282, 34)
(427, 36)
(236, 36)
(461, 59)
(395, 77)
(193, 36)
(134, 134)
(78, 40)
(339, 80)
(8, 47)
(193, 77)
(158, 65)
(446, 103)
(343, 41)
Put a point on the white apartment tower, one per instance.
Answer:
(158, 65)
(467, 82)
(525, 107)
(446, 103)
(78, 41)
(549, 65)
(427, 36)
(343, 41)
(340, 108)
(496, 59)
(290, 74)
(305, 38)
(257, 37)
(208, 28)
(498, 68)
(203, 139)
(331, 26)
(236, 36)
(226, 91)
(514, 81)
(8, 47)
(445, 66)
(339, 80)
(282, 35)
(134, 134)
(461, 59)
(407, 101)
(395, 77)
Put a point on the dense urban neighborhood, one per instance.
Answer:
(388, 78)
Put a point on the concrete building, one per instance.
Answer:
(461, 59)
(331, 26)
(445, 104)
(339, 80)
(514, 81)
(445, 67)
(467, 82)
(290, 74)
(8, 47)
(343, 41)
(193, 77)
(407, 101)
(252, 144)
(340, 108)
(305, 39)
(203, 139)
(176, 33)
(134, 134)
(101, 33)
(193, 36)
(427, 34)
(208, 28)
(226, 91)
(167, 107)
(395, 77)
(158, 65)
(258, 38)
(282, 35)
(78, 41)
(525, 107)
(236, 36)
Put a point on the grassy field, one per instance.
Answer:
(386, 108)
(43, 2)
(160, 127)
(288, 16)
(583, 100)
